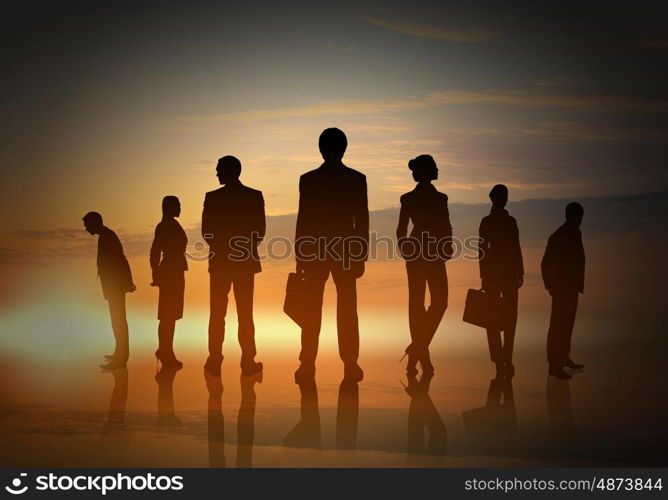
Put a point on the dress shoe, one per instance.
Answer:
(573, 365)
(248, 369)
(114, 365)
(353, 372)
(560, 373)
(304, 373)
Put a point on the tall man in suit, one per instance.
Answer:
(116, 280)
(233, 223)
(563, 268)
(332, 236)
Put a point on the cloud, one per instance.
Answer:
(447, 33)
(532, 96)
(33, 246)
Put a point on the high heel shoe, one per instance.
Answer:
(411, 366)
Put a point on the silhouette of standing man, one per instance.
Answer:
(233, 223)
(116, 280)
(502, 274)
(168, 266)
(332, 236)
(563, 268)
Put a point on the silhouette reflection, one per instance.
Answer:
(423, 415)
(246, 420)
(165, 379)
(307, 432)
(216, 421)
(559, 407)
(495, 424)
(347, 415)
(115, 437)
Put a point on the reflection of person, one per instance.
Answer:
(559, 407)
(168, 263)
(495, 424)
(215, 421)
(233, 223)
(422, 414)
(307, 432)
(347, 415)
(426, 251)
(563, 267)
(246, 421)
(116, 280)
(333, 218)
(502, 274)
(165, 379)
(116, 437)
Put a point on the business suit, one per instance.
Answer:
(233, 223)
(427, 209)
(562, 269)
(168, 265)
(501, 271)
(332, 236)
(116, 280)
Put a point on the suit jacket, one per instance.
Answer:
(332, 203)
(112, 266)
(427, 209)
(563, 263)
(168, 249)
(500, 251)
(233, 224)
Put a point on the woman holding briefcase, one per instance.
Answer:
(502, 274)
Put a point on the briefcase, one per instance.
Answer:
(482, 309)
(296, 304)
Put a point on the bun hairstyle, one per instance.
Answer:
(423, 168)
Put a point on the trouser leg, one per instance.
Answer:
(562, 318)
(570, 310)
(437, 280)
(509, 303)
(219, 290)
(119, 325)
(494, 334)
(243, 297)
(346, 315)
(311, 328)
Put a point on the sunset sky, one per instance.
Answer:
(111, 109)
(107, 108)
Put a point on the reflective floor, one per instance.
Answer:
(72, 414)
